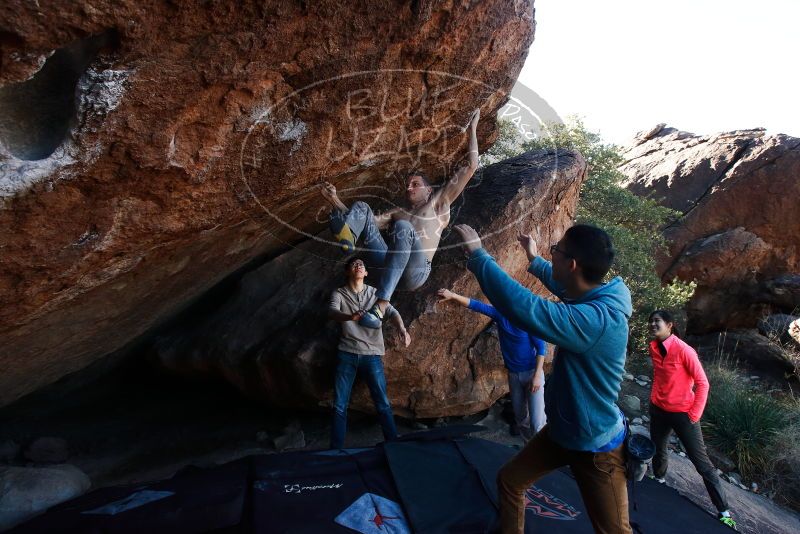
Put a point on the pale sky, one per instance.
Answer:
(703, 66)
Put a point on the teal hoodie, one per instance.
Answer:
(591, 333)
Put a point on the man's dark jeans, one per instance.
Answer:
(371, 368)
(661, 426)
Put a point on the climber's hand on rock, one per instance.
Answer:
(444, 295)
(472, 125)
(328, 190)
(476, 116)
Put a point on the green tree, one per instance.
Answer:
(634, 223)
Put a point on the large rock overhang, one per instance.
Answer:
(196, 141)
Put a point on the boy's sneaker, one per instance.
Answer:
(727, 521)
(373, 318)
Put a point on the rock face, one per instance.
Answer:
(747, 345)
(9, 450)
(755, 514)
(147, 151)
(631, 405)
(778, 327)
(738, 229)
(270, 336)
(48, 450)
(794, 331)
(27, 491)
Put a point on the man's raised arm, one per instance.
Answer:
(538, 266)
(458, 182)
(573, 327)
(328, 191)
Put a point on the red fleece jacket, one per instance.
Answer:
(673, 378)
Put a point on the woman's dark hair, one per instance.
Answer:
(667, 318)
(591, 249)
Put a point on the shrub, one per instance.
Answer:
(784, 468)
(741, 422)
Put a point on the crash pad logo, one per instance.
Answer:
(545, 505)
(298, 488)
(372, 513)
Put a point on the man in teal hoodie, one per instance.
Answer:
(585, 429)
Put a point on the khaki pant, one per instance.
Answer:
(600, 476)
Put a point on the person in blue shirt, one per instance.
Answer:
(585, 429)
(523, 355)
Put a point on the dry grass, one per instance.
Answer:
(783, 474)
(742, 422)
(790, 351)
(759, 430)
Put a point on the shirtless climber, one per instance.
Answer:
(413, 232)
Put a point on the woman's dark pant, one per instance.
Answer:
(662, 424)
(371, 368)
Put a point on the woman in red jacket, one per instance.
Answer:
(677, 400)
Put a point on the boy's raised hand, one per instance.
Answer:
(404, 338)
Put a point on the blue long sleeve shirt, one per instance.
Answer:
(519, 348)
(591, 333)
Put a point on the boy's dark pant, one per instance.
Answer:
(661, 426)
(371, 367)
(600, 477)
